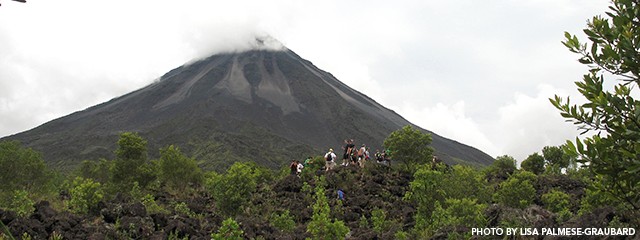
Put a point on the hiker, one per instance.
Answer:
(378, 156)
(354, 157)
(361, 152)
(348, 149)
(299, 168)
(294, 167)
(366, 154)
(329, 160)
(434, 163)
(340, 195)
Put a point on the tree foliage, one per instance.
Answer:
(321, 226)
(462, 212)
(517, 191)
(131, 163)
(534, 163)
(233, 189)
(85, 195)
(501, 168)
(21, 168)
(410, 146)
(230, 230)
(177, 170)
(613, 115)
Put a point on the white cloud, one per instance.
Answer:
(451, 122)
(529, 123)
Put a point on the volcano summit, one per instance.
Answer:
(268, 106)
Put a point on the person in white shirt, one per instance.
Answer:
(329, 158)
(300, 167)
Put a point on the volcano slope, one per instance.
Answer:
(266, 106)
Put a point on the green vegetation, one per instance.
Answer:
(239, 201)
(612, 115)
(233, 190)
(230, 230)
(589, 182)
(176, 170)
(410, 146)
(517, 191)
(85, 195)
(321, 226)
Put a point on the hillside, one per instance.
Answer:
(261, 105)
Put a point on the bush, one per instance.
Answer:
(458, 213)
(176, 170)
(283, 222)
(559, 203)
(517, 191)
(85, 194)
(378, 219)
(556, 200)
(501, 168)
(410, 146)
(232, 190)
(321, 227)
(230, 230)
(424, 191)
(466, 182)
(131, 163)
(534, 163)
(21, 203)
(22, 169)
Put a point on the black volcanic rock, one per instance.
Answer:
(261, 105)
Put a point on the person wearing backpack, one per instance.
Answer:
(294, 167)
(361, 154)
(299, 167)
(329, 158)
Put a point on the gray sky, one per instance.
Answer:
(479, 72)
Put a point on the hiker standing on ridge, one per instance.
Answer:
(299, 168)
(294, 167)
(329, 158)
(361, 152)
(348, 150)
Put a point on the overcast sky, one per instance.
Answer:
(479, 72)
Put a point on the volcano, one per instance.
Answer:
(267, 106)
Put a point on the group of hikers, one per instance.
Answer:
(354, 156)
(351, 156)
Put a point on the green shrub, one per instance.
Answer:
(85, 194)
(517, 191)
(378, 219)
(131, 164)
(424, 191)
(458, 213)
(283, 222)
(556, 201)
(230, 230)
(182, 208)
(320, 226)
(232, 190)
(534, 163)
(178, 171)
(21, 203)
(22, 169)
(466, 182)
(501, 168)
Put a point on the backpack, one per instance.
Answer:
(329, 157)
